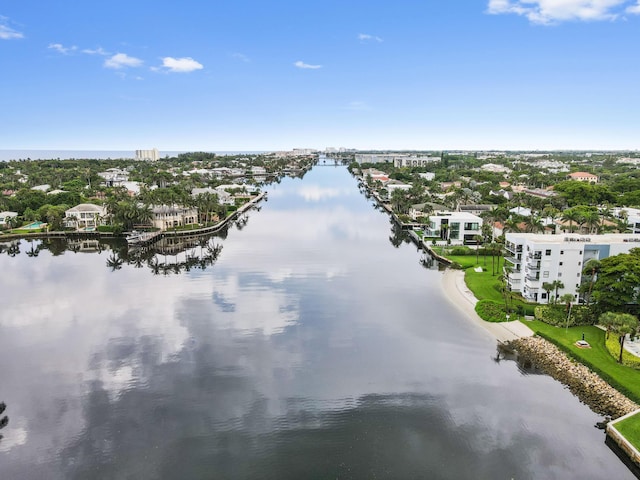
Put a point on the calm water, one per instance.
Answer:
(303, 344)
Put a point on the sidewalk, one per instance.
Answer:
(457, 292)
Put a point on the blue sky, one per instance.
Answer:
(269, 75)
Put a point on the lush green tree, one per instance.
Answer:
(620, 323)
(616, 285)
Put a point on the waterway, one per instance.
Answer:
(307, 341)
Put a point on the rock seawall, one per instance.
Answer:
(582, 382)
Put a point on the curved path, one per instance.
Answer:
(457, 292)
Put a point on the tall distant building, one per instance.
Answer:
(149, 155)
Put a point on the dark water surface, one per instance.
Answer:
(311, 348)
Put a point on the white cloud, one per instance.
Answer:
(365, 37)
(635, 9)
(181, 65)
(553, 11)
(97, 51)
(301, 64)
(122, 60)
(58, 47)
(6, 32)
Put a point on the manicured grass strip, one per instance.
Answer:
(624, 379)
(484, 285)
(630, 428)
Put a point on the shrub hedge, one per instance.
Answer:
(491, 311)
(557, 315)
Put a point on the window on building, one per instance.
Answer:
(561, 252)
(547, 252)
(579, 263)
(544, 295)
(578, 274)
(545, 275)
(559, 274)
(560, 263)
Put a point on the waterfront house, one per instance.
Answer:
(455, 227)
(166, 217)
(393, 185)
(224, 198)
(85, 216)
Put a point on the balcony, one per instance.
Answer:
(513, 249)
(512, 260)
(532, 278)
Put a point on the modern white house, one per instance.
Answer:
(114, 177)
(632, 217)
(85, 216)
(224, 198)
(534, 259)
(393, 185)
(457, 227)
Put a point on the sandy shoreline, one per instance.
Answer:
(458, 294)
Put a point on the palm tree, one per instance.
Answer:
(592, 220)
(620, 323)
(591, 268)
(547, 287)
(567, 299)
(511, 225)
(478, 239)
(570, 215)
(4, 421)
(557, 285)
(533, 224)
(552, 213)
(114, 262)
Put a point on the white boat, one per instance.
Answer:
(135, 237)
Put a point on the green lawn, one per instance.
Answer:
(598, 358)
(630, 428)
(484, 285)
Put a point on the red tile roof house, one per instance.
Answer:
(583, 177)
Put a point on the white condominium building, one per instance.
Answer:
(415, 161)
(535, 259)
(152, 155)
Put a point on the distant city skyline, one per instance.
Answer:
(264, 76)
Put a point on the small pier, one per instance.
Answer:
(143, 238)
